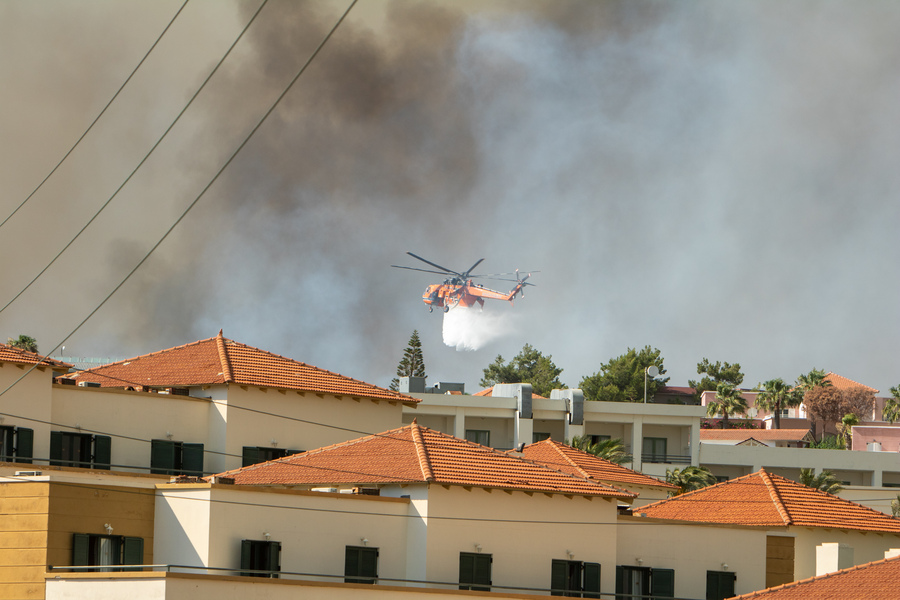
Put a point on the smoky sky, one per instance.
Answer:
(711, 179)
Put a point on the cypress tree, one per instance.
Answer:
(412, 364)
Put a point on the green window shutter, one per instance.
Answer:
(351, 563)
(56, 448)
(102, 458)
(249, 456)
(719, 585)
(132, 552)
(192, 459)
(246, 556)
(482, 572)
(558, 577)
(368, 563)
(662, 583)
(24, 444)
(620, 580)
(81, 543)
(274, 557)
(162, 457)
(591, 580)
(466, 570)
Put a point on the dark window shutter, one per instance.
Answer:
(274, 557)
(591, 580)
(662, 583)
(558, 577)
(466, 569)
(482, 572)
(250, 456)
(620, 580)
(24, 444)
(192, 459)
(81, 543)
(162, 457)
(246, 556)
(56, 448)
(102, 458)
(719, 585)
(291, 452)
(132, 552)
(351, 563)
(368, 564)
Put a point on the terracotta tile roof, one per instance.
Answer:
(842, 383)
(767, 500)
(872, 581)
(567, 459)
(763, 435)
(416, 454)
(219, 360)
(15, 355)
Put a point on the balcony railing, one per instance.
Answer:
(672, 459)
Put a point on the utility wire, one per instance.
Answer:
(94, 122)
(142, 161)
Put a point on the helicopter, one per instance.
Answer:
(458, 289)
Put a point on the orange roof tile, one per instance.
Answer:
(567, 459)
(762, 435)
(872, 581)
(416, 454)
(24, 357)
(219, 360)
(766, 500)
(842, 383)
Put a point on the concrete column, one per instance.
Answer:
(877, 476)
(695, 444)
(459, 423)
(573, 431)
(637, 442)
(524, 431)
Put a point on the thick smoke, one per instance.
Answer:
(713, 179)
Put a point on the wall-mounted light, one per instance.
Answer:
(570, 554)
(639, 561)
(169, 435)
(724, 566)
(267, 535)
(108, 528)
(274, 443)
(364, 541)
(478, 547)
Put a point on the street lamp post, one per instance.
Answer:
(653, 371)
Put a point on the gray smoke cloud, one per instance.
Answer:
(713, 179)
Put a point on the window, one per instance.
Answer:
(360, 564)
(655, 449)
(479, 436)
(257, 454)
(644, 582)
(596, 439)
(539, 437)
(475, 571)
(176, 458)
(574, 578)
(16, 444)
(260, 555)
(107, 550)
(719, 585)
(69, 449)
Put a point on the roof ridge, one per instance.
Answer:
(141, 356)
(421, 453)
(558, 447)
(227, 374)
(852, 381)
(776, 497)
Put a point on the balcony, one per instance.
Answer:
(672, 459)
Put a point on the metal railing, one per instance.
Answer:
(674, 459)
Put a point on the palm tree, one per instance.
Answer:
(775, 396)
(824, 481)
(815, 378)
(846, 427)
(728, 402)
(689, 479)
(891, 411)
(612, 450)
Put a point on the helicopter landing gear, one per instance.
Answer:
(446, 309)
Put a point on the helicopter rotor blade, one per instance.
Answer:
(435, 265)
(416, 269)
(472, 268)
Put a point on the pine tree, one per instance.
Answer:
(412, 364)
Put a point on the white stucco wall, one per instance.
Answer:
(866, 547)
(29, 399)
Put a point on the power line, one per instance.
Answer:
(139, 165)
(202, 192)
(94, 122)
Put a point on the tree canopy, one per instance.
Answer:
(612, 449)
(412, 364)
(891, 410)
(728, 402)
(689, 479)
(24, 342)
(826, 481)
(622, 378)
(528, 366)
(775, 395)
(830, 404)
(716, 373)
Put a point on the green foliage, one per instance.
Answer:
(824, 481)
(895, 507)
(716, 373)
(728, 402)
(846, 428)
(24, 342)
(622, 378)
(813, 379)
(612, 450)
(689, 479)
(529, 366)
(775, 395)
(891, 411)
(412, 364)
(828, 442)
